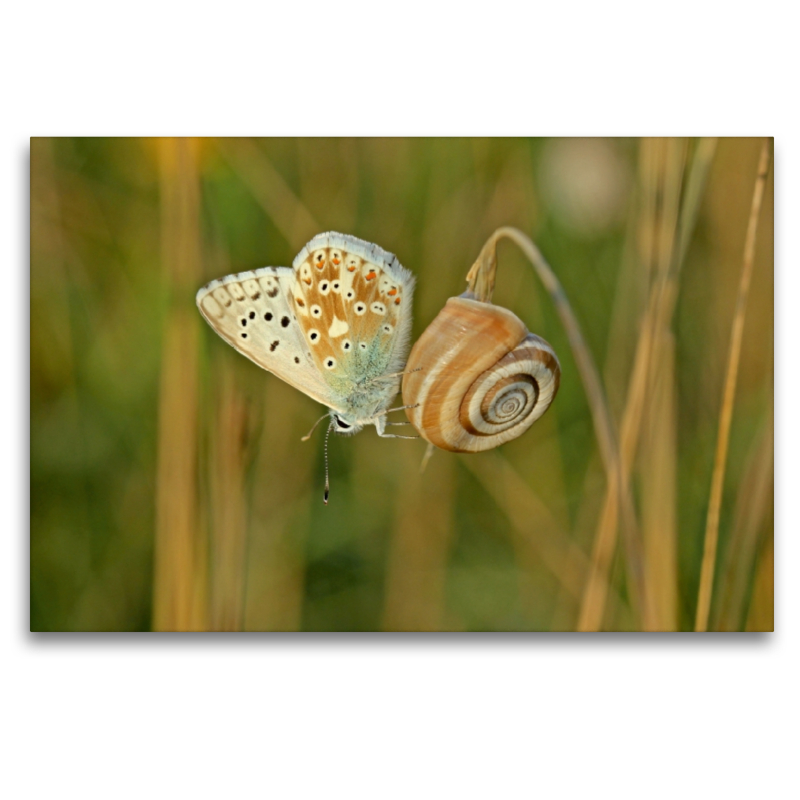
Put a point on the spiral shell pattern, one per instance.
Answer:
(479, 377)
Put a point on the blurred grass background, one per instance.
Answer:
(169, 486)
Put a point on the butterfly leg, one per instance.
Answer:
(381, 423)
(399, 408)
(397, 374)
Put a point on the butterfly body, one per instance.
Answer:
(335, 325)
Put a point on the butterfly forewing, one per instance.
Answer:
(352, 301)
(253, 312)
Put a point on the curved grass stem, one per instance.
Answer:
(729, 391)
(481, 284)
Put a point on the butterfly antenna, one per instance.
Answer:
(313, 428)
(327, 485)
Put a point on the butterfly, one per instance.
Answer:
(335, 325)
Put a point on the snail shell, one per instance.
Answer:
(479, 377)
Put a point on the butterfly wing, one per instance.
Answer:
(353, 305)
(252, 312)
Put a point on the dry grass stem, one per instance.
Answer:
(658, 486)
(179, 585)
(753, 510)
(229, 507)
(662, 164)
(729, 391)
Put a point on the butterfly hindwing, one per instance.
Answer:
(352, 300)
(253, 312)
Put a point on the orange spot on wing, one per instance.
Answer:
(371, 274)
(393, 292)
(397, 301)
(307, 280)
(336, 261)
(351, 269)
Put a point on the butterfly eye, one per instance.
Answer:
(316, 311)
(313, 336)
(330, 363)
(343, 425)
(360, 308)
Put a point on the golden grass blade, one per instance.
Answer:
(690, 205)
(179, 589)
(655, 248)
(658, 486)
(289, 214)
(229, 507)
(662, 166)
(666, 262)
(753, 509)
(729, 391)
